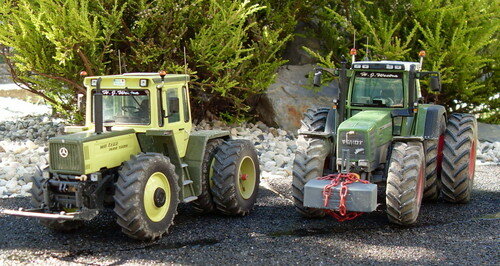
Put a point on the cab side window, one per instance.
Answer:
(173, 105)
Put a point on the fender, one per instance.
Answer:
(330, 127)
(428, 121)
(196, 151)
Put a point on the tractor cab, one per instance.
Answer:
(380, 84)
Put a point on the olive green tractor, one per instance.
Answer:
(379, 143)
(137, 154)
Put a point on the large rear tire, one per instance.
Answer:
(405, 182)
(37, 202)
(433, 157)
(146, 196)
(459, 158)
(236, 177)
(310, 159)
(205, 202)
(314, 119)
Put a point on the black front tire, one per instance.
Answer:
(37, 202)
(310, 159)
(405, 183)
(134, 208)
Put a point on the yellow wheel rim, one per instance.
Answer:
(246, 177)
(157, 197)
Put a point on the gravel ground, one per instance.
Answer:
(275, 234)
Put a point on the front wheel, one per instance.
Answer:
(405, 182)
(236, 177)
(146, 196)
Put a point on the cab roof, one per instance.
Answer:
(383, 65)
(150, 75)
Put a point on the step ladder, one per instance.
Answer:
(188, 192)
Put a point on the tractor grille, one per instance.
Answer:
(354, 142)
(65, 156)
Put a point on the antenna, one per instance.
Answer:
(367, 56)
(120, 61)
(185, 64)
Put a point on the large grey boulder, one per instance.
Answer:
(288, 98)
(488, 132)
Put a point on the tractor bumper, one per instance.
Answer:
(360, 198)
(40, 213)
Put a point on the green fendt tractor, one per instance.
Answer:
(137, 154)
(384, 143)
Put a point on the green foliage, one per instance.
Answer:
(460, 37)
(232, 47)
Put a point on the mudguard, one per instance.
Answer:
(428, 121)
(196, 150)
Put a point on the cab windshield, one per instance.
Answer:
(126, 106)
(377, 89)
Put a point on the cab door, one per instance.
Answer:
(178, 116)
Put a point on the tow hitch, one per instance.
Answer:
(86, 214)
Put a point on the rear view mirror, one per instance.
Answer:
(317, 78)
(435, 84)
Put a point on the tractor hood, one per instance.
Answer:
(364, 136)
(87, 152)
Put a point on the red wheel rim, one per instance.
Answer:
(420, 186)
(472, 160)
(440, 154)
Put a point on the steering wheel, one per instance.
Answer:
(384, 101)
(130, 108)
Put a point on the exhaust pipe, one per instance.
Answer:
(98, 108)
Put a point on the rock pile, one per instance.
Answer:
(34, 128)
(275, 147)
(488, 153)
(23, 149)
(18, 162)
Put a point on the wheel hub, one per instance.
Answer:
(159, 197)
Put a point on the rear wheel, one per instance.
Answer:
(236, 177)
(459, 158)
(405, 183)
(146, 196)
(37, 202)
(314, 120)
(205, 202)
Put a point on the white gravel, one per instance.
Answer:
(23, 148)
